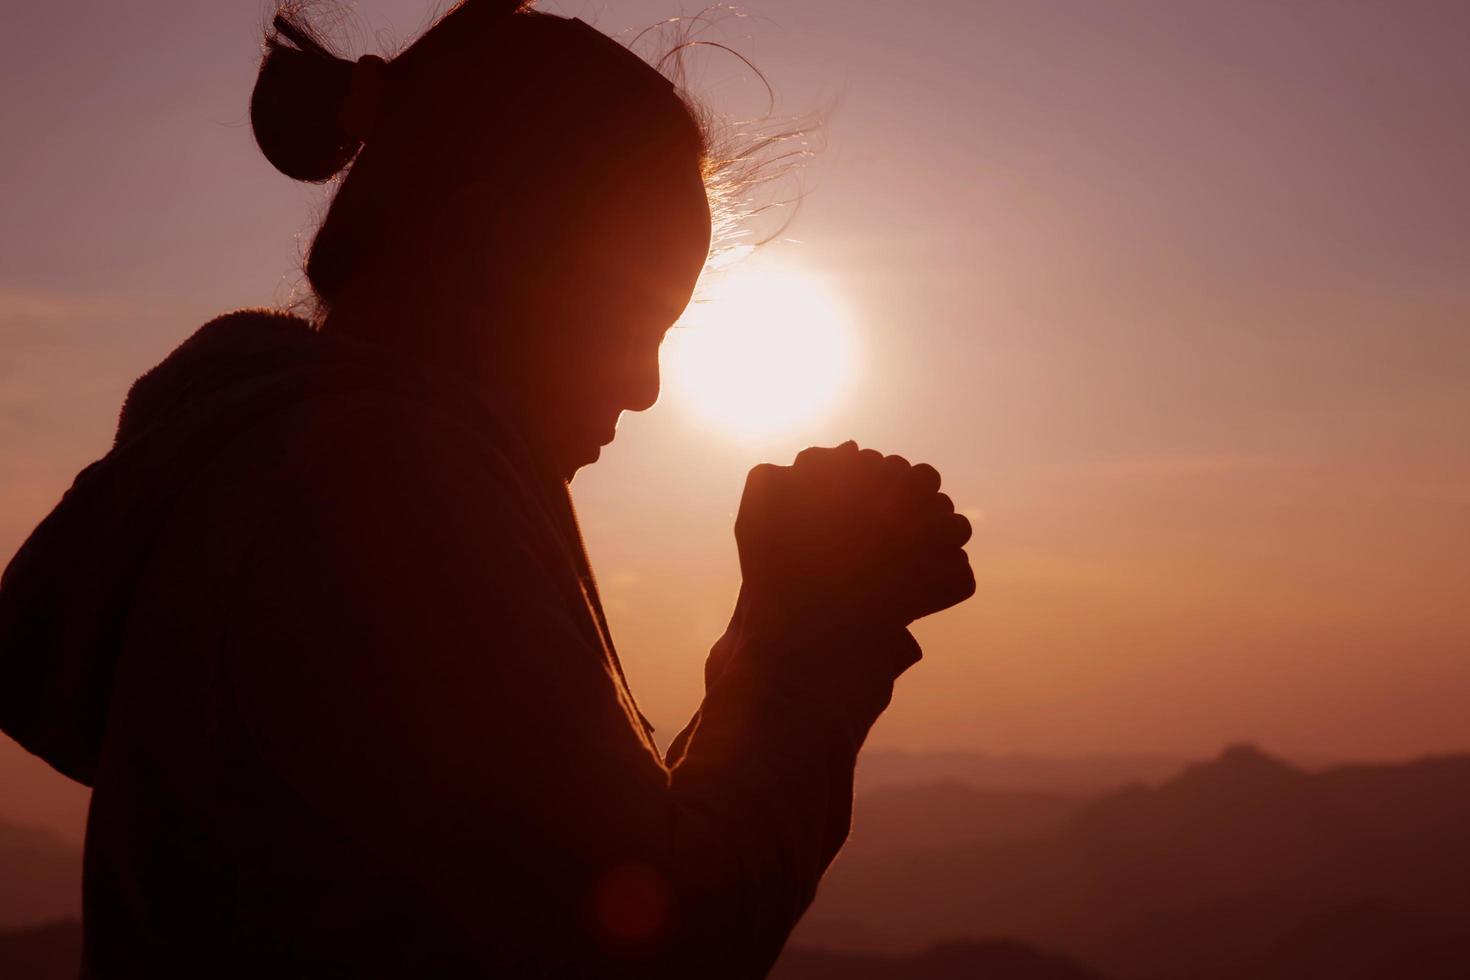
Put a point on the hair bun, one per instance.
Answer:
(297, 108)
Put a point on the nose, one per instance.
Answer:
(641, 382)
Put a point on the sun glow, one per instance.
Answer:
(764, 351)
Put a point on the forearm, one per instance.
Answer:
(768, 773)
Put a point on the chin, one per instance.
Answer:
(583, 446)
(575, 459)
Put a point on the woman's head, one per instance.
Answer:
(525, 199)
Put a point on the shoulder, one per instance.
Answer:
(352, 475)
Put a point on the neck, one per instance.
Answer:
(472, 375)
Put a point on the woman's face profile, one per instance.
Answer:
(602, 281)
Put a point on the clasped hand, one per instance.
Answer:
(851, 536)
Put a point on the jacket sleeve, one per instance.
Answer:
(403, 658)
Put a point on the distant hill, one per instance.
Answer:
(1241, 868)
(40, 876)
(951, 961)
(1230, 866)
(1366, 942)
(1083, 775)
(954, 813)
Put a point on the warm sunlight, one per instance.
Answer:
(763, 350)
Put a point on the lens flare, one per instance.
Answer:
(764, 352)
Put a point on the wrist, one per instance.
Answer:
(767, 610)
(831, 643)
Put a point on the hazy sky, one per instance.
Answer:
(1175, 293)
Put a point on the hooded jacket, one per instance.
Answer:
(320, 633)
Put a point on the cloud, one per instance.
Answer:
(26, 305)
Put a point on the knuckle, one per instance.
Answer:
(810, 454)
(823, 455)
(927, 476)
(760, 474)
(959, 584)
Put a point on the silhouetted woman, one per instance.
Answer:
(320, 631)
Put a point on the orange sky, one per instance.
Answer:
(1176, 294)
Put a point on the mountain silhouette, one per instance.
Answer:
(1241, 867)
(955, 813)
(1223, 868)
(1076, 776)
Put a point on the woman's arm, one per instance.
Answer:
(404, 658)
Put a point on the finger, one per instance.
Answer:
(761, 477)
(951, 531)
(759, 484)
(931, 523)
(820, 454)
(946, 582)
(822, 472)
(936, 541)
(824, 467)
(763, 517)
(896, 466)
(959, 584)
(936, 584)
(924, 478)
(893, 474)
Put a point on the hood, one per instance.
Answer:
(65, 596)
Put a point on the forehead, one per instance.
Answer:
(652, 227)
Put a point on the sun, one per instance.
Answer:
(764, 351)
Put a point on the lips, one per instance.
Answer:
(598, 432)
